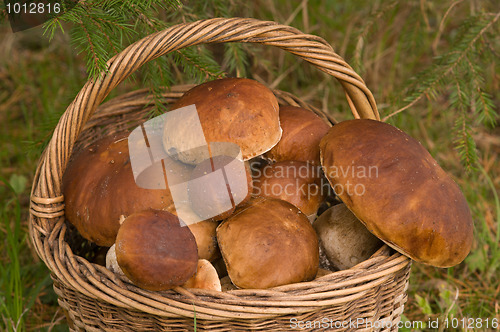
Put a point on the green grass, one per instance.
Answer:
(386, 43)
(21, 282)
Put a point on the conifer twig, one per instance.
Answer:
(448, 70)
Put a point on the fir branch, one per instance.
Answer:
(428, 82)
(235, 59)
(488, 116)
(103, 28)
(483, 104)
(198, 64)
(97, 61)
(157, 76)
(464, 143)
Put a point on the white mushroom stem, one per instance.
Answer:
(112, 264)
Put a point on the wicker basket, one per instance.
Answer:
(368, 296)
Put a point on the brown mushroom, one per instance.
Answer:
(395, 187)
(296, 182)
(205, 277)
(206, 240)
(156, 250)
(235, 110)
(302, 132)
(268, 243)
(343, 238)
(99, 187)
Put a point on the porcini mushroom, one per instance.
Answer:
(296, 182)
(398, 191)
(268, 243)
(302, 132)
(156, 250)
(205, 277)
(343, 238)
(99, 187)
(235, 110)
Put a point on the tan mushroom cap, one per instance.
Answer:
(236, 110)
(268, 243)
(205, 277)
(296, 182)
(155, 250)
(302, 132)
(395, 187)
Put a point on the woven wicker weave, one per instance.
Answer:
(94, 299)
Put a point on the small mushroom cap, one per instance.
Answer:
(205, 277)
(296, 182)
(395, 187)
(302, 132)
(206, 239)
(268, 243)
(155, 250)
(236, 110)
(344, 239)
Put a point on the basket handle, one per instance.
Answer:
(313, 49)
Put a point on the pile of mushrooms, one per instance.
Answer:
(231, 190)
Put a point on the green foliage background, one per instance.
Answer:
(432, 66)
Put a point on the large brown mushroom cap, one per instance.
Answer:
(296, 182)
(236, 110)
(302, 132)
(268, 243)
(99, 187)
(395, 187)
(155, 250)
